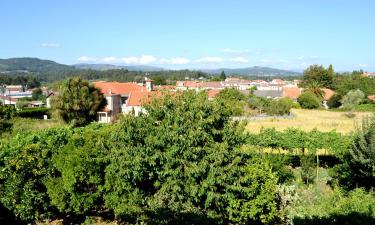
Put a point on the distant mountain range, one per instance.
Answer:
(111, 67)
(254, 71)
(31, 65)
(35, 65)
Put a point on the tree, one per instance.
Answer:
(352, 99)
(358, 167)
(317, 73)
(77, 187)
(335, 101)
(183, 163)
(222, 75)
(233, 100)
(77, 101)
(330, 74)
(7, 112)
(37, 94)
(25, 164)
(308, 100)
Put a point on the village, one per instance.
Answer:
(128, 97)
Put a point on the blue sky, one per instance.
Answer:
(192, 34)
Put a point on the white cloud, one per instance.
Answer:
(130, 60)
(210, 59)
(147, 59)
(111, 59)
(239, 60)
(179, 61)
(87, 59)
(50, 45)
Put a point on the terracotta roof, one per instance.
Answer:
(291, 92)
(188, 83)
(213, 93)
(8, 98)
(328, 93)
(165, 87)
(118, 88)
(212, 84)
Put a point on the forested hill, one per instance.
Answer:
(33, 70)
(31, 65)
(255, 71)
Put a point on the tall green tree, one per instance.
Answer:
(222, 75)
(77, 101)
(358, 167)
(182, 162)
(317, 73)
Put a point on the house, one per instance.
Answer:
(124, 98)
(278, 82)
(35, 104)
(240, 84)
(291, 92)
(369, 75)
(7, 100)
(268, 93)
(212, 94)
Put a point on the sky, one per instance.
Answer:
(285, 34)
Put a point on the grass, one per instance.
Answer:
(307, 120)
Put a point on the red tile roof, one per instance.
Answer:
(213, 93)
(119, 88)
(291, 92)
(328, 93)
(8, 98)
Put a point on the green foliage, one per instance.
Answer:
(37, 94)
(76, 187)
(233, 100)
(280, 106)
(355, 207)
(308, 100)
(222, 75)
(271, 107)
(358, 167)
(22, 103)
(352, 99)
(297, 141)
(308, 166)
(355, 81)
(318, 74)
(78, 101)
(25, 164)
(335, 101)
(183, 157)
(36, 113)
(6, 113)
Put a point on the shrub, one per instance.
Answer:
(36, 113)
(308, 100)
(358, 164)
(335, 101)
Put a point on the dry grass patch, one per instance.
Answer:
(307, 120)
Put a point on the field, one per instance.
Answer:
(309, 119)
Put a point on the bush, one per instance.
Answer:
(6, 113)
(335, 101)
(36, 113)
(25, 164)
(308, 100)
(279, 107)
(357, 169)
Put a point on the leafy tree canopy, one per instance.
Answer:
(77, 102)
